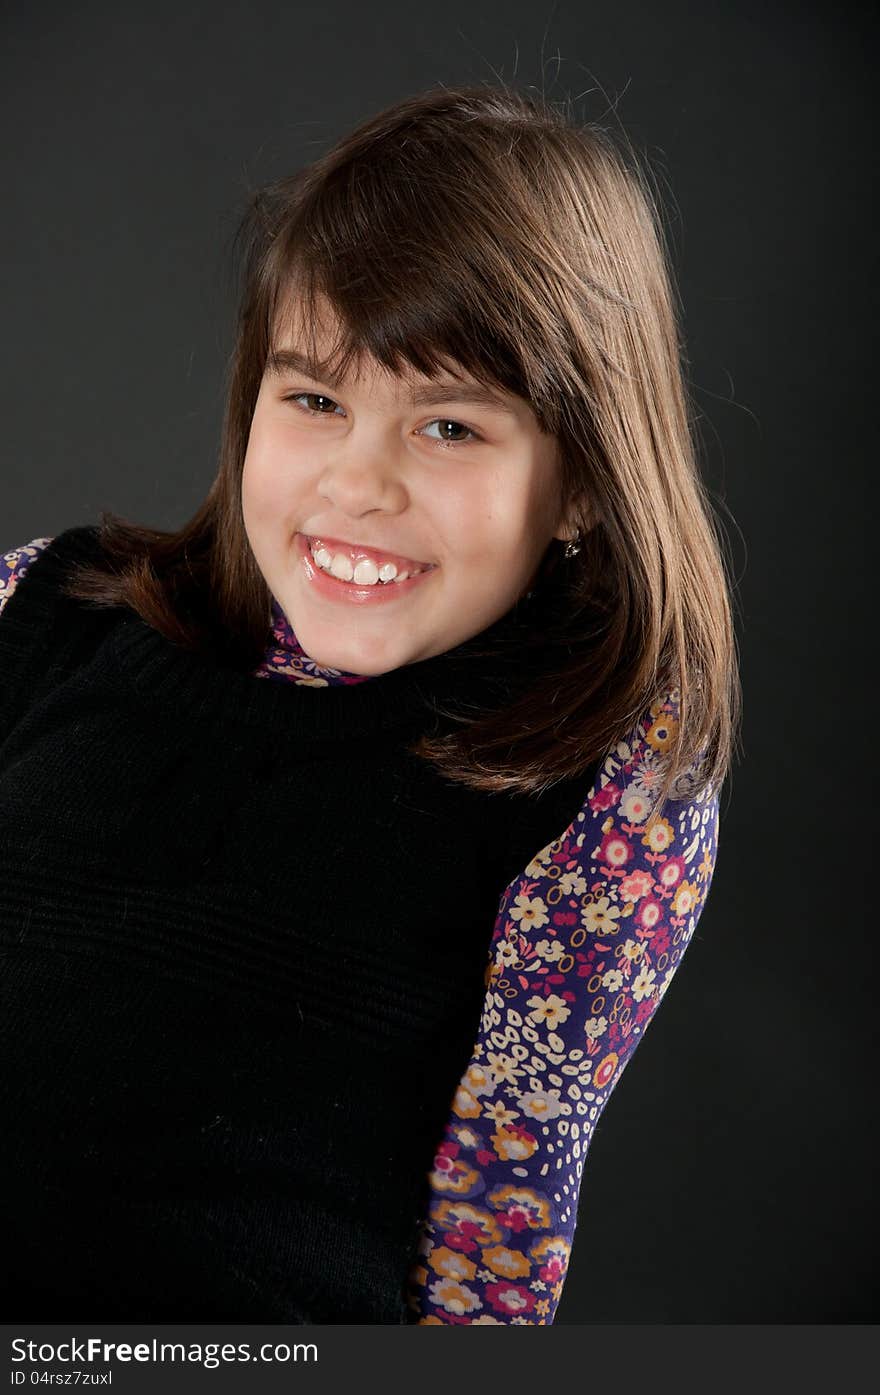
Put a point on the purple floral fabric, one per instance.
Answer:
(585, 944)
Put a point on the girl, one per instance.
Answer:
(316, 986)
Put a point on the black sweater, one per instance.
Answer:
(201, 1074)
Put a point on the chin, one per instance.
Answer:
(346, 658)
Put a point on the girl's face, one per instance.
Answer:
(380, 473)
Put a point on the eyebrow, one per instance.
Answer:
(281, 361)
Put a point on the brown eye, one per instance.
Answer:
(444, 440)
(456, 425)
(315, 397)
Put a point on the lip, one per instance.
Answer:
(334, 589)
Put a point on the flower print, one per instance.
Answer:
(541, 1104)
(506, 954)
(465, 1104)
(520, 1208)
(604, 798)
(647, 918)
(494, 979)
(572, 883)
(552, 1254)
(643, 983)
(514, 1143)
(605, 1070)
(479, 1080)
(647, 771)
(15, 563)
(615, 850)
(662, 732)
(549, 1011)
(671, 872)
(551, 951)
(600, 917)
(452, 1264)
(612, 979)
(510, 1298)
(452, 1177)
(288, 670)
(453, 1297)
(466, 1136)
(500, 1112)
(596, 1027)
(685, 899)
(631, 952)
(465, 1227)
(529, 912)
(503, 1067)
(634, 805)
(510, 1264)
(660, 836)
(705, 867)
(636, 884)
(660, 942)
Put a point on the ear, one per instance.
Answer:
(587, 517)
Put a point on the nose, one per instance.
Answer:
(362, 476)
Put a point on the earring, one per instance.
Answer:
(573, 546)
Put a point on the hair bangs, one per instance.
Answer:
(415, 299)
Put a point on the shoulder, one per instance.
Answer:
(15, 563)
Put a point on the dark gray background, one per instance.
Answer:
(730, 1176)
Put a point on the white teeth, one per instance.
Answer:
(366, 573)
(341, 567)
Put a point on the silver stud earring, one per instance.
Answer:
(573, 546)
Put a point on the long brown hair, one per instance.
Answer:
(480, 226)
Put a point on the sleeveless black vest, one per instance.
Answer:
(244, 938)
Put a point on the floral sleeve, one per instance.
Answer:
(14, 564)
(585, 945)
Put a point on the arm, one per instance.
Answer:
(585, 945)
(14, 564)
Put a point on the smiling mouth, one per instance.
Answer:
(360, 584)
(363, 566)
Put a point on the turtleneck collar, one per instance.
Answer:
(348, 705)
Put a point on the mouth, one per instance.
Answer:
(347, 556)
(364, 576)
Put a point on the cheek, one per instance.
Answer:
(252, 488)
(265, 482)
(496, 527)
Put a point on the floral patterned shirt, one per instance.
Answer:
(586, 941)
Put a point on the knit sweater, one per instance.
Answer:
(302, 1121)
